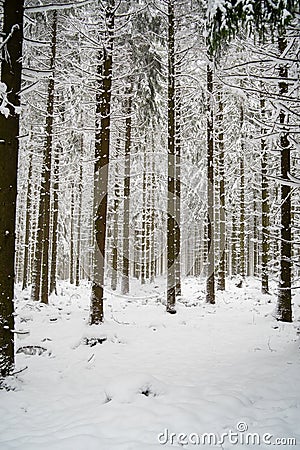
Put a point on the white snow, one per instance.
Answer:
(203, 370)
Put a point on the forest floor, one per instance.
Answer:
(147, 374)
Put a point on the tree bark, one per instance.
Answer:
(222, 228)
(53, 268)
(153, 187)
(114, 275)
(210, 282)
(264, 208)
(26, 264)
(102, 147)
(46, 184)
(233, 244)
(171, 294)
(284, 306)
(242, 199)
(144, 229)
(177, 231)
(126, 217)
(38, 253)
(78, 249)
(11, 67)
(72, 244)
(255, 240)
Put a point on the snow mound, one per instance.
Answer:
(129, 387)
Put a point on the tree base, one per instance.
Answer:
(171, 310)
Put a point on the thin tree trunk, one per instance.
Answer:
(255, 240)
(27, 228)
(177, 233)
(143, 247)
(222, 229)
(147, 235)
(38, 253)
(71, 277)
(102, 147)
(210, 283)
(242, 200)
(11, 67)
(233, 244)
(153, 186)
(78, 249)
(264, 209)
(53, 268)
(46, 184)
(171, 294)
(126, 217)
(114, 275)
(284, 307)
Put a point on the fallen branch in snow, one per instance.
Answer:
(121, 323)
(91, 357)
(92, 341)
(32, 350)
(117, 321)
(19, 371)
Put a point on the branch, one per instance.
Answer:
(55, 6)
(13, 28)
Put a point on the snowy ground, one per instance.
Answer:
(203, 370)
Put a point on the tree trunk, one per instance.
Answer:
(210, 283)
(38, 253)
(72, 244)
(114, 275)
(153, 187)
(222, 229)
(255, 240)
(126, 217)
(233, 244)
(264, 208)
(46, 184)
(242, 199)
(284, 307)
(171, 294)
(53, 268)
(102, 141)
(147, 222)
(11, 67)
(78, 249)
(27, 228)
(143, 245)
(177, 231)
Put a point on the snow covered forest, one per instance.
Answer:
(149, 224)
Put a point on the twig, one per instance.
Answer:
(19, 371)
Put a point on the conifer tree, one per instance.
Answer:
(11, 67)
